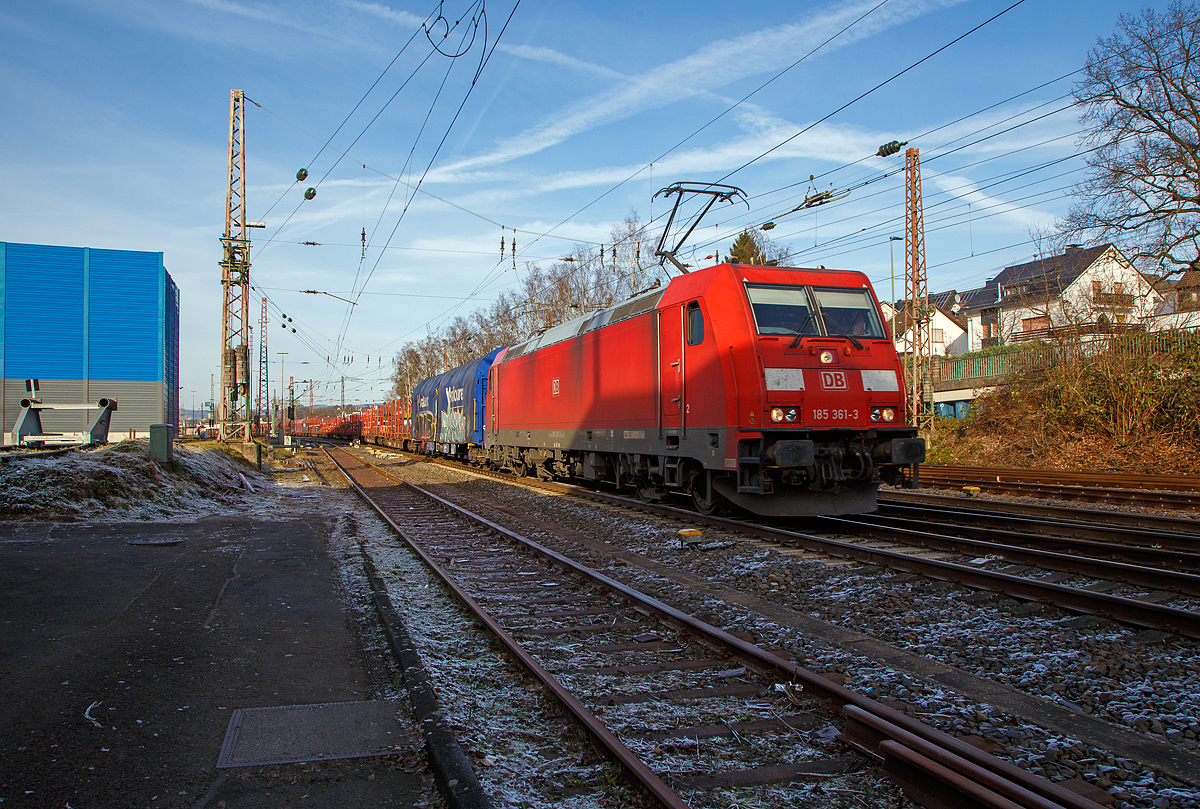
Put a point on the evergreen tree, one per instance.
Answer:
(746, 249)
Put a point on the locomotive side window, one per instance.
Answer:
(848, 313)
(784, 310)
(695, 324)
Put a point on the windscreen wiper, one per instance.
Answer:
(829, 331)
(800, 331)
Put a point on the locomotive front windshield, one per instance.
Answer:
(848, 313)
(782, 310)
(814, 311)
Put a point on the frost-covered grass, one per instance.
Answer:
(120, 482)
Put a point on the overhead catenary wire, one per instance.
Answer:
(474, 82)
(863, 95)
(797, 63)
(718, 117)
(593, 243)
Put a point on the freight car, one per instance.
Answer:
(448, 410)
(775, 390)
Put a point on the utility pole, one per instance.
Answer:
(264, 360)
(281, 354)
(892, 249)
(343, 410)
(916, 292)
(234, 404)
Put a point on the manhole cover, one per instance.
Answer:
(293, 733)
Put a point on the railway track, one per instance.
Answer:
(614, 657)
(1134, 558)
(901, 549)
(1132, 527)
(1158, 490)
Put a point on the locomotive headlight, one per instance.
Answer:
(827, 357)
(889, 414)
(883, 414)
(776, 414)
(791, 414)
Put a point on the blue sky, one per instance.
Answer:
(116, 125)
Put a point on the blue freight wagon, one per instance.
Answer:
(448, 408)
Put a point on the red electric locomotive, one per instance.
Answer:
(777, 390)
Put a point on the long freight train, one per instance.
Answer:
(772, 389)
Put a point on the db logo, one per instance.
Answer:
(554, 386)
(833, 380)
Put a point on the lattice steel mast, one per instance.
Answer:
(262, 405)
(233, 408)
(916, 292)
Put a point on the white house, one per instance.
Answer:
(948, 330)
(1180, 308)
(1082, 292)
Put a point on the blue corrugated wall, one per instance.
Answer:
(43, 312)
(77, 313)
(125, 317)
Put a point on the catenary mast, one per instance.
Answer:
(916, 292)
(262, 405)
(233, 406)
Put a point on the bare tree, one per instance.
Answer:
(586, 279)
(1141, 111)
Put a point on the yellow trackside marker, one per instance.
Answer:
(971, 490)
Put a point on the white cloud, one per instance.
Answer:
(553, 57)
(403, 18)
(712, 66)
(983, 204)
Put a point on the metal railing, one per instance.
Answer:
(1113, 300)
(956, 368)
(1033, 356)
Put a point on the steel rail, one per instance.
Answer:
(1116, 480)
(623, 755)
(1176, 499)
(1042, 792)
(1102, 532)
(1055, 553)
(1042, 511)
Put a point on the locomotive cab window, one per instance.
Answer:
(782, 310)
(848, 313)
(695, 324)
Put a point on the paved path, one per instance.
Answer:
(163, 642)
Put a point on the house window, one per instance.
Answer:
(988, 330)
(939, 335)
(1032, 324)
(1097, 289)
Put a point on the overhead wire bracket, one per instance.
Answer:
(715, 193)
